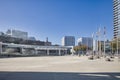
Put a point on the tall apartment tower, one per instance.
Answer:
(116, 15)
(68, 41)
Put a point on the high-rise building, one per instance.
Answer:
(17, 34)
(87, 41)
(68, 41)
(116, 10)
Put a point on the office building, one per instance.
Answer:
(68, 41)
(32, 38)
(87, 41)
(116, 15)
(17, 34)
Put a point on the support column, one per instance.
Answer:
(72, 51)
(0, 47)
(59, 52)
(65, 52)
(21, 51)
(48, 52)
(36, 52)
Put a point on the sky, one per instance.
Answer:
(57, 18)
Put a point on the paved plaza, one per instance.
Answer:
(58, 68)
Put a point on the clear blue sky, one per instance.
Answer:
(57, 18)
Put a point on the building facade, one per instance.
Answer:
(17, 34)
(32, 38)
(68, 41)
(116, 15)
(107, 46)
(87, 41)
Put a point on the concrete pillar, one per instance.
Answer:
(65, 51)
(21, 51)
(72, 50)
(0, 47)
(48, 52)
(59, 52)
(36, 52)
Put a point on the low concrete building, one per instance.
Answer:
(35, 49)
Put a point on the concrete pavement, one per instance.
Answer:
(58, 68)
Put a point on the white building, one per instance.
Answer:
(87, 41)
(116, 16)
(68, 41)
(17, 34)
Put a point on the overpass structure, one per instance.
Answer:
(34, 49)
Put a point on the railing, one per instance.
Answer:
(35, 46)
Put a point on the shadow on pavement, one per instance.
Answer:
(57, 76)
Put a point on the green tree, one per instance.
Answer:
(81, 47)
